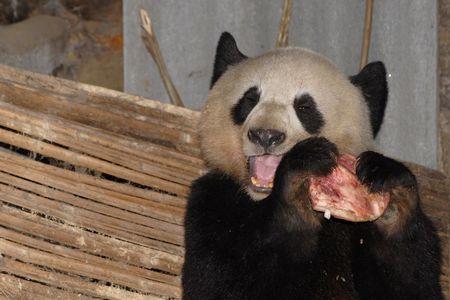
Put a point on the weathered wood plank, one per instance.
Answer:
(74, 284)
(81, 202)
(12, 287)
(85, 258)
(90, 162)
(125, 192)
(444, 84)
(100, 272)
(109, 207)
(89, 242)
(90, 220)
(84, 110)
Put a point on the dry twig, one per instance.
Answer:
(151, 43)
(283, 32)
(367, 32)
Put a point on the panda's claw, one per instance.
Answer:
(316, 155)
(382, 174)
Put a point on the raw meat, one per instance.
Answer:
(343, 196)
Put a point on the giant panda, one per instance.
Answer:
(248, 239)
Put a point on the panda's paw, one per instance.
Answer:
(382, 174)
(385, 175)
(315, 155)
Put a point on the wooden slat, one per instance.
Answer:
(152, 227)
(139, 196)
(66, 88)
(74, 284)
(38, 257)
(79, 139)
(41, 173)
(90, 220)
(110, 207)
(90, 162)
(12, 287)
(76, 237)
(81, 110)
(48, 127)
(85, 258)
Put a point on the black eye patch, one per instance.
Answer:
(308, 114)
(241, 110)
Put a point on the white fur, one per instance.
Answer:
(281, 75)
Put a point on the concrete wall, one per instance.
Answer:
(404, 37)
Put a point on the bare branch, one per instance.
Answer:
(152, 46)
(367, 33)
(283, 32)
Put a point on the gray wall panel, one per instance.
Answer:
(188, 32)
(404, 37)
(330, 27)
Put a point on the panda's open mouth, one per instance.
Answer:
(262, 170)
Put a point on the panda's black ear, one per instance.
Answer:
(227, 54)
(373, 84)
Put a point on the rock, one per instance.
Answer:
(36, 44)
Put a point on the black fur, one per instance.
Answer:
(244, 106)
(266, 138)
(316, 155)
(227, 53)
(402, 268)
(308, 114)
(408, 263)
(372, 82)
(382, 174)
(237, 248)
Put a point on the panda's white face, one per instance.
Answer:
(260, 108)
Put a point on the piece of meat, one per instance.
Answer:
(343, 196)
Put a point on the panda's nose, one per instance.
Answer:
(266, 137)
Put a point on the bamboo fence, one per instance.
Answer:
(93, 186)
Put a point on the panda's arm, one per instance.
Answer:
(402, 251)
(223, 227)
(222, 216)
(228, 235)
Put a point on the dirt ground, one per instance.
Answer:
(94, 48)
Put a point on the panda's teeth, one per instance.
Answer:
(257, 183)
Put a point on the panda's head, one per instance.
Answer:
(259, 108)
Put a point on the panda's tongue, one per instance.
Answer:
(262, 170)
